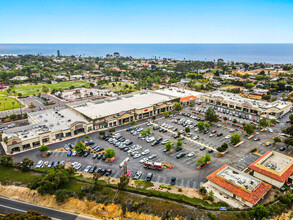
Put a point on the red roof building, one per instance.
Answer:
(240, 186)
(273, 167)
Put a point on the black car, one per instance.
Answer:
(102, 172)
(173, 181)
(129, 129)
(210, 151)
(282, 149)
(100, 156)
(220, 134)
(86, 153)
(98, 170)
(104, 158)
(149, 177)
(159, 139)
(108, 172)
(179, 149)
(100, 149)
(155, 143)
(202, 148)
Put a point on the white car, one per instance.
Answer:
(136, 156)
(46, 163)
(143, 160)
(145, 152)
(232, 130)
(270, 130)
(228, 136)
(165, 141)
(87, 169)
(196, 129)
(195, 137)
(78, 166)
(191, 154)
(39, 164)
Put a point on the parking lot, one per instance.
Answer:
(165, 129)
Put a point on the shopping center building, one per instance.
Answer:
(274, 109)
(50, 126)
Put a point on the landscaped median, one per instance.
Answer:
(222, 153)
(237, 145)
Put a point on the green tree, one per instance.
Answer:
(211, 115)
(273, 121)
(6, 161)
(235, 138)
(26, 164)
(96, 177)
(112, 130)
(133, 122)
(178, 106)
(87, 137)
(249, 128)
(291, 118)
(200, 125)
(249, 85)
(71, 170)
(187, 129)
(277, 140)
(179, 143)
(204, 159)
(168, 146)
(289, 141)
(259, 212)
(192, 104)
(62, 195)
(109, 153)
(124, 180)
(207, 125)
(79, 147)
(102, 133)
(263, 123)
(44, 148)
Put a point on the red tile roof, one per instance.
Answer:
(282, 178)
(252, 197)
(187, 98)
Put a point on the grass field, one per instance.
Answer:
(6, 103)
(118, 86)
(30, 89)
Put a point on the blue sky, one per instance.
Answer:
(160, 21)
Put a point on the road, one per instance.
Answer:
(8, 205)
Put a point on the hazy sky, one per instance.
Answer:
(160, 21)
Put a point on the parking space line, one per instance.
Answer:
(164, 179)
(182, 182)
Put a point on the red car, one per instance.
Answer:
(213, 131)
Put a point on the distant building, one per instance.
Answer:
(116, 55)
(20, 78)
(274, 168)
(38, 75)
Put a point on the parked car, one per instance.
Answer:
(191, 154)
(149, 177)
(173, 180)
(202, 148)
(180, 155)
(137, 175)
(108, 172)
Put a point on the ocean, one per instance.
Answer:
(268, 53)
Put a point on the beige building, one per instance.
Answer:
(274, 168)
(48, 126)
(239, 186)
(120, 110)
(234, 101)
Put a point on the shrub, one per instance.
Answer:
(253, 150)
